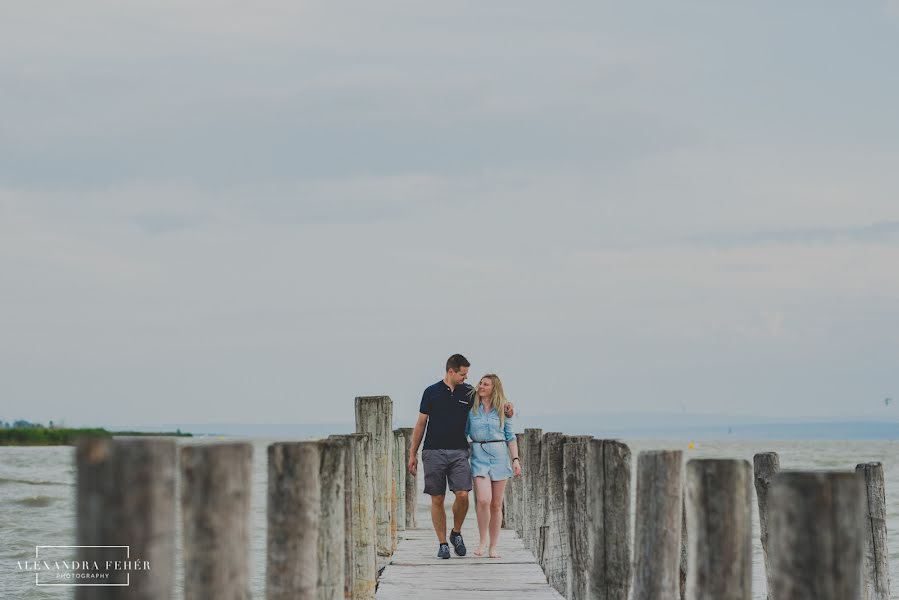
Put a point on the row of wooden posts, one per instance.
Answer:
(335, 508)
(823, 533)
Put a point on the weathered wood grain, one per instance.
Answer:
(816, 535)
(719, 517)
(658, 519)
(877, 555)
(374, 415)
(765, 465)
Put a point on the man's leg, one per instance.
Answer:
(438, 517)
(460, 509)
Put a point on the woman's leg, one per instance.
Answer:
(484, 494)
(496, 513)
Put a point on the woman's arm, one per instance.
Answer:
(513, 454)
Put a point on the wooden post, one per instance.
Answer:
(556, 549)
(360, 563)
(534, 509)
(411, 493)
(294, 512)
(719, 517)
(374, 415)
(659, 517)
(215, 512)
(126, 497)
(551, 457)
(399, 467)
(519, 488)
(331, 524)
(877, 555)
(683, 547)
(597, 500)
(349, 494)
(816, 535)
(765, 466)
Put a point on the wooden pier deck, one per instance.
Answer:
(415, 572)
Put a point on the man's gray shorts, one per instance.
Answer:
(446, 466)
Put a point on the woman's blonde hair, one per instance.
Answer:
(497, 398)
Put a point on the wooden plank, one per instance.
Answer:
(415, 572)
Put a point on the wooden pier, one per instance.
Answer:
(346, 521)
(416, 572)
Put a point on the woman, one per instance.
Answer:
(494, 457)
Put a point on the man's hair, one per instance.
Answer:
(456, 362)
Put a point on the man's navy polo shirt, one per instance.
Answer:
(447, 414)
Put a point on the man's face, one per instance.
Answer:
(459, 377)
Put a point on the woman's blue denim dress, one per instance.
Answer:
(489, 460)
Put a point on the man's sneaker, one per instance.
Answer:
(458, 545)
(443, 552)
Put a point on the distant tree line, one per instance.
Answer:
(26, 433)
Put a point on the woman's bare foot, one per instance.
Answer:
(480, 550)
(493, 552)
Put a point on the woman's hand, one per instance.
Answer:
(516, 468)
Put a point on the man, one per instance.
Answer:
(444, 410)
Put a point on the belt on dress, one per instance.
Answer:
(488, 442)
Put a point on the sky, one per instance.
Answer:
(254, 212)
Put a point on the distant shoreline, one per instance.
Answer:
(65, 436)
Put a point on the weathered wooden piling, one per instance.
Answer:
(126, 497)
(683, 548)
(659, 517)
(374, 415)
(816, 535)
(597, 509)
(556, 546)
(359, 531)
(719, 517)
(877, 555)
(215, 509)
(294, 513)
(411, 492)
(533, 512)
(519, 488)
(765, 465)
(331, 523)
(550, 508)
(399, 470)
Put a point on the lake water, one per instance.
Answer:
(37, 500)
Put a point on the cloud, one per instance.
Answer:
(884, 232)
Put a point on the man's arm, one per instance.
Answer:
(417, 433)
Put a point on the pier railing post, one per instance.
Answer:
(519, 488)
(659, 516)
(557, 550)
(719, 517)
(550, 468)
(533, 512)
(215, 509)
(411, 492)
(331, 524)
(765, 465)
(293, 513)
(597, 509)
(877, 568)
(399, 469)
(816, 535)
(360, 562)
(126, 496)
(683, 547)
(374, 415)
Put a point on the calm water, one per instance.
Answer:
(37, 501)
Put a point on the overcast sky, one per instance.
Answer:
(231, 211)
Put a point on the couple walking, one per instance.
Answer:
(454, 411)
